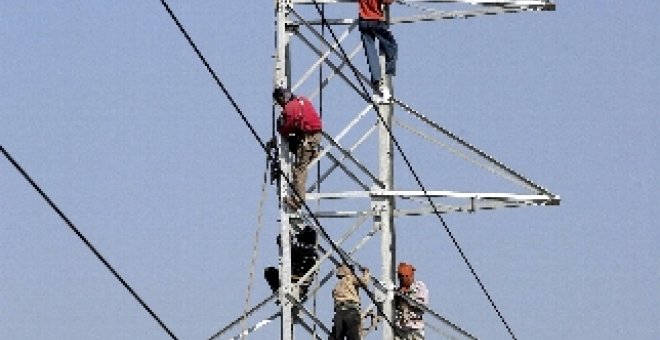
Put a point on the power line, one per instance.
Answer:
(86, 241)
(413, 172)
(345, 257)
(214, 75)
(391, 135)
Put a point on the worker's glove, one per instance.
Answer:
(271, 144)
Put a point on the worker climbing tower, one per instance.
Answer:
(376, 198)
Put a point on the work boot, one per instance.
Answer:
(376, 85)
(385, 94)
(381, 92)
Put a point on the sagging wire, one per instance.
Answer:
(89, 245)
(345, 258)
(344, 55)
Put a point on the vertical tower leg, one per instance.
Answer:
(282, 78)
(386, 209)
(386, 164)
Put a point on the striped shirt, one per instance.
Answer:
(408, 316)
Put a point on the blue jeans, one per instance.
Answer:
(369, 30)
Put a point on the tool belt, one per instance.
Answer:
(345, 305)
(298, 140)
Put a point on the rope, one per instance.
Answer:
(255, 251)
(318, 170)
(250, 127)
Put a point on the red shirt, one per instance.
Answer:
(373, 9)
(299, 115)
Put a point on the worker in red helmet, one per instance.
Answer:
(410, 296)
(299, 125)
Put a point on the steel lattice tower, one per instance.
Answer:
(289, 21)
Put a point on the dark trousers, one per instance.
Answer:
(369, 31)
(346, 325)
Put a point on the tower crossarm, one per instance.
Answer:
(473, 8)
(528, 183)
(538, 199)
(532, 4)
(473, 201)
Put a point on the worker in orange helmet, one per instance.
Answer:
(411, 296)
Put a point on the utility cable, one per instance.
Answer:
(86, 241)
(345, 257)
(416, 177)
(326, 236)
(214, 75)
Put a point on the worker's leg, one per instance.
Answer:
(369, 44)
(389, 47)
(338, 323)
(353, 323)
(306, 153)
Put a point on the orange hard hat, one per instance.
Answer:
(405, 269)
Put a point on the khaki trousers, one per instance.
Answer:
(308, 150)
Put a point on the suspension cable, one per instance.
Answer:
(86, 241)
(345, 257)
(342, 254)
(214, 75)
(414, 173)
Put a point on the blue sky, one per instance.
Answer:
(112, 114)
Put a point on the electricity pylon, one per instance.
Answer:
(299, 19)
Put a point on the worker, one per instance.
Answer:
(300, 126)
(346, 322)
(410, 295)
(371, 25)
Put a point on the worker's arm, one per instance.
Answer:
(366, 276)
(421, 295)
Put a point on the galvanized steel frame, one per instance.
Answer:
(384, 194)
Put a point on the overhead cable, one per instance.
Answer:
(414, 174)
(89, 245)
(345, 257)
